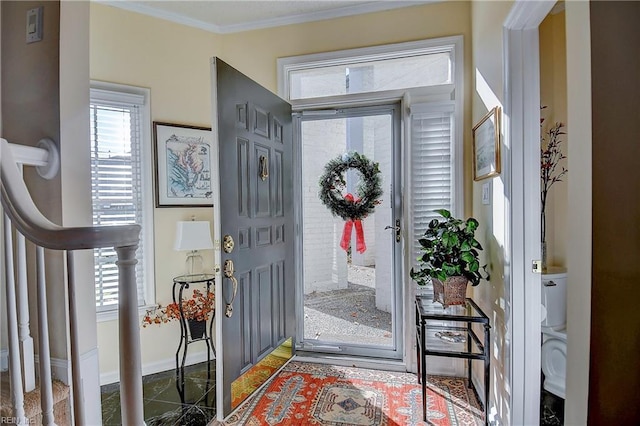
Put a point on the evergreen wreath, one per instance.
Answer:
(369, 189)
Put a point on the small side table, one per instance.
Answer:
(179, 285)
(429, 316)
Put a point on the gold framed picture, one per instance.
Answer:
(486, 146)
(182, 165)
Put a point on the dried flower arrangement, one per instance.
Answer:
(198, 307)
(550, 157)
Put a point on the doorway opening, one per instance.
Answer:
(351, 300)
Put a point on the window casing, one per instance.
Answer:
(121, 184)
(433, 141)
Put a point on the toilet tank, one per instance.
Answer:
(554, 297)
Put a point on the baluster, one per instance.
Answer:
(24, 332)
(130, 364)
(78, 399)
(15, 371)
(46, 386)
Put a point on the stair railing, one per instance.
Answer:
(21, 213)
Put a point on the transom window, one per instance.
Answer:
(376, 69)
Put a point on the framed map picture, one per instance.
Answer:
(183, 165)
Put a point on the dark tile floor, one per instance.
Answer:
(551, 409)
(163, 403)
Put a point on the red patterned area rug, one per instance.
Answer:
(316, 394)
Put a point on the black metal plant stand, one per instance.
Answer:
(432, 316)
(186, 338)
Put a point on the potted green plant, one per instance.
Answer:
(450, 258)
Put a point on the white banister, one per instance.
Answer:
(129, 326)
(46, 386)
(29, 221)
(24, 332)
(74, 340)
(45, 157)
(15, 376)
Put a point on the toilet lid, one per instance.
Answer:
(554, 359)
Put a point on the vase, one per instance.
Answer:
(453, 291)
(196, 328)
(544, 256)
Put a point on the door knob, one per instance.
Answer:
(228, 271)
(395, 228)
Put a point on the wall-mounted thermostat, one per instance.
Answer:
(34, 24)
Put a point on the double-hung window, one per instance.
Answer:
(121, 183)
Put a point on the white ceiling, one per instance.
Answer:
(229, 16)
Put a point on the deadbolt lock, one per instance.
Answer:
(227, 244)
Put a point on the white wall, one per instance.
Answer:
(579, 210)
(76, 190)
(488, 18)
(325, 263)
(493, 297)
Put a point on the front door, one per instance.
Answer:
(255, 320)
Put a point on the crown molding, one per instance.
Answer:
(359, 9)
(132, 6)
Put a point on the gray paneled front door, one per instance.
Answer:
(256, 212)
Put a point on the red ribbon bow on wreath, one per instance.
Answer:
(361, 247)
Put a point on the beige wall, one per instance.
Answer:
(553, 94)
(493, 297)
(256, 52)
(173, 61)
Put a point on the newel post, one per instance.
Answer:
(130, 356)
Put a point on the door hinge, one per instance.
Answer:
(536, 267)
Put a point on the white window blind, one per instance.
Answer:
(432, 169)
(117, 184)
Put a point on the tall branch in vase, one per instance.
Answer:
(550, 173)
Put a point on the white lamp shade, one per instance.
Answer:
(193, 235)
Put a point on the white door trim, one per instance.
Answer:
(522, 140)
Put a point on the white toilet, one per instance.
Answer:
(554, 334)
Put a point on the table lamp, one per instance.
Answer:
(193, 236)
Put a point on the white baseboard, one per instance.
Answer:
(157, 367)
(4, 359)
(90, 370)
(60, 369)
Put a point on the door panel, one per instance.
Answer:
(255, 207)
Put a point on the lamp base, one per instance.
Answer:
(193, 264)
